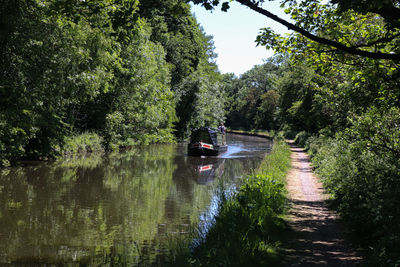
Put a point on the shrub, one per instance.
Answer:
(361, 168)
(81, 144)
(301, 138)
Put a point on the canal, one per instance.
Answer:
(119, 209)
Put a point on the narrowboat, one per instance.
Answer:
(206, 141)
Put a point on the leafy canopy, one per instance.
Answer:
(311, 18)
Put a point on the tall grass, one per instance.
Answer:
(249, 228)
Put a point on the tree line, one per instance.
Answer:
(118, 73)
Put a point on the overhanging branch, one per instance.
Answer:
(290, 26)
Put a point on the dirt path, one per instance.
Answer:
(319, 238)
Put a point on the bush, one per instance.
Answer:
(12, 142)
(81, 144)
(361, 169)
(288, 132)
(301, 138)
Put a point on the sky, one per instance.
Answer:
(235, 32)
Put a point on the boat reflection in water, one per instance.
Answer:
(205, 169)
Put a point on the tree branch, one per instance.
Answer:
(381, 40)
(290, 26)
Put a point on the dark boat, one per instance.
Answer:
(206, 141)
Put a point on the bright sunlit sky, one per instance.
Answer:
(235, 32)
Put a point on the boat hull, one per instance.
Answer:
(197, 149)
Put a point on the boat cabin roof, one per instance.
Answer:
(204, 134)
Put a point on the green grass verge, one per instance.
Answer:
(249, 227)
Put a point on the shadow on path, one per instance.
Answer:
(318, 237)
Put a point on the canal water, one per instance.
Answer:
(119, 209)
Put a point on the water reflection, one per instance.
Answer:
(205, 169)
(118, 209)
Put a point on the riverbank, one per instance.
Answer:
(250, 225)
(262, 134)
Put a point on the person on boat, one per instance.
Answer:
(222, 129)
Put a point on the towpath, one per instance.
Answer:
(318, 237)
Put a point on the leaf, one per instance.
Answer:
(225, 6)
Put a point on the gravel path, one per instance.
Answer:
(319, 239)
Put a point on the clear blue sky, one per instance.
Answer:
(235, 32)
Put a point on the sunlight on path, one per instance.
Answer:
(319, 238)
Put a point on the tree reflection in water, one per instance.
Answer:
(114, 209)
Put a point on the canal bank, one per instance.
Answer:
(262, 134)
(249, 227)
(269, 224)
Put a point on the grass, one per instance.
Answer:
(249, 227)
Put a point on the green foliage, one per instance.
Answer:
(277, 95)
(266, 117)
(11, 144)
(143, 78)
(301, 138)
(389, 10)
(82, 144)
(287, 132)
(299, 107)
(340, 82)
(254, 97)
(202, 100)
(361, 169)
(121, 69)
(189, 52)
(52, 66)
(359, 98)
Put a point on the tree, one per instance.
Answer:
(65, 69)
(189, 52)
(201, 99)
(114, 68)
(267, 112)
(251, 97)
(299, 107)
(140, 107)
(310, 11)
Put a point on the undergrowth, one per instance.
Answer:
(360, 167)
(81, 144)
